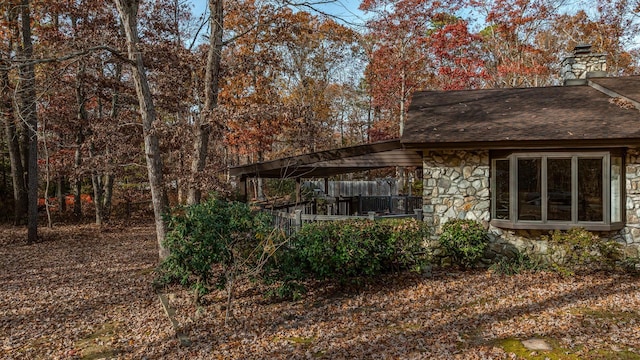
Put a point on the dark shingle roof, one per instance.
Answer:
(535, 116)
(628, 86)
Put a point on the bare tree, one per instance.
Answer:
(13, 145)
(211, 87)
(128, 10)
(27, 114)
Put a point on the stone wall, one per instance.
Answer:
(456, 186)
(630, 235)
(578, 66)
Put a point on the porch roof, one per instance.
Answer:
(334, 162)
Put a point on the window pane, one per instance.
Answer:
(559, 189)
(502, 189)
(529, 185)
(590, 190)
(616, 189)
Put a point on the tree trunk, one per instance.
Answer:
(108, 196)
(98, 194)
(47, 172)
(27, 112)
(109, 177)
(62, 201)
(211, 80)
(81, 116)
(77, 188)
(128, 10)
(13, 146)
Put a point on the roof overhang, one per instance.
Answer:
(334, 162)
(525, 145)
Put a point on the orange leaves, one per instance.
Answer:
(279, 78)
(458, 57)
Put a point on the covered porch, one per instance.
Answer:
(326, 164)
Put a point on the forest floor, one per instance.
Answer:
(85, 292)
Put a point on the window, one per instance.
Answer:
(557, 190)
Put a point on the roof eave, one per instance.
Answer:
(525, 144)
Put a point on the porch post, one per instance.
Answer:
(418, 214)
(297, 222)
(298, 190)
(242, 189)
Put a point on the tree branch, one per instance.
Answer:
(312, 5)
(70, 56)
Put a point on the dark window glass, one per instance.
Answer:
(502, 189)
(559, 189)
(590, 199)
(529, 189)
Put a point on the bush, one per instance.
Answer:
(464, 240)
(578, 249)
(631, 264)
(516, 265)
(406, 245)
(345, 250)
(215, 232)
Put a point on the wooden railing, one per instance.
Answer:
(396, 204)
(354, 205)
(290, 223)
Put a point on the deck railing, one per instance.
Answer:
(290, 223)
(354, 205)
(396, 204)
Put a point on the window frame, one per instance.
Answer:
(544, 224)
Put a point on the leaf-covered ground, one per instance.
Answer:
(86, 293)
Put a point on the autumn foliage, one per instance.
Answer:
(445, 45)
(289, 80)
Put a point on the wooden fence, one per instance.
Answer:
(290, 223)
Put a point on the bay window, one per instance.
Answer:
(557, 190)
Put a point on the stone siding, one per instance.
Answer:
(578, 66)
(456, 186)
(630, 234)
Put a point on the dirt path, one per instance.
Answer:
(80, 293)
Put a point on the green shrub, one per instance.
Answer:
(516, 265)
(344, 250)
(631, 264)
(341, 250)
(287, 290)
(406, 245)
(464, 240)
(578, 249)
(215, 232)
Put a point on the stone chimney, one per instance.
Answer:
(582, 65)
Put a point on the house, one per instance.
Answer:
(522, 161)
(526, 161)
